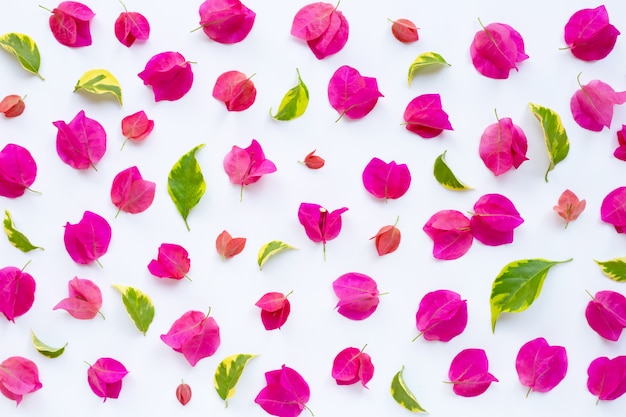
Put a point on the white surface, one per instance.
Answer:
(314, 333)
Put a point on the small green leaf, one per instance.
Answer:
(25, 50)
(294, 102)
(270, 249)
(403, 395)
(100, 81)
(228, 373)
(423, 61)
(614, 268)
(17, 238)
(138, 305)
(44, 349)
(554, 135)
(445, 176)
(185, 183)
(518, 285)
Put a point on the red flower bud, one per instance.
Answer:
(183, 393)
(313, 161)
(12, 105)
(404, 30)
(387, 239)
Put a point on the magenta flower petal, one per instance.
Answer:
(17, 292)
(18, 170)
(441, 315)
(130, 192)
(226, 21)
(589, 34)
(503, 146)
(386, 180)
(495, 217)
(105, 377)
(285, 394)
(469, 373)
(69, 23)
(84, 301)
(319, 224)
(425, 117)
(137, 126)
(358, 295)
(235, 89)
(496, 50)
(613, 209)
(275, 309)
(333, 39)
(246, 166)
(130, 27)
(169, 75)
(87, 240)
(352, 94)
(606, 314)
(592, 105)
(80, 143)
(539, 366)
(312, 20)
(18, 376)
(195, 335)
(451, 234)
(172, 262)
(607, 377)
(352, 365)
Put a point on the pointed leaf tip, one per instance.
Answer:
(444, 175)
(554, 134)
(186, 184)
(270, 249)
(403, 395)
(228, 372)
(138, 305)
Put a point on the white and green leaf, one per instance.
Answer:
(44, 349)
(270, 249)
(138, 305)
(24, 48)
(294, 103)
(444, 175)
(228, 372)
(403, 395)
(185, 183)
(17, 238)
(615, 268)
(426, 60)
(100, 81)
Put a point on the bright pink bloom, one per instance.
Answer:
(607, 377)
(441, 315)
(469, 373)
(323, 27)
(496, 50)
(195, 335)
(352, 365)
(275, 309)
(569, 206)
(137, 126)
(425, 117)
(285, 394)
(620, 151)
(87, 240)
(589, 34)
(69, 23)
(84, 301)
(352, 94)
(18, 376)
(130, 192)
(503, 146)
(131, 26)
(105, 377)
(358, 295)
(540, 366)
(592, 105)
(17, 292)
(18, 170)
(246, 166)
(451, 234)
(226, 21)
(494, 219)
(169, 75)
(172, 262)
(386, 180)
(319, 224)
(80, 143)
(235, 89)
(613, 209)
(606, 314)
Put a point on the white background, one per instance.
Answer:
(315, 332)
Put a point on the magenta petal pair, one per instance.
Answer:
(606, 378)
(18, 170)
(130, 192)
(169, 74)
(84, 300)
(226, 21)
(18, 376)
(87, 240)
(469, 373)
(352, 365)
(172, 262)
(425, 116)
(589, 34)
(613, 209)
(323, 27)
(592, 105)
(496, 50)
(245, 166)
(105, 377)
(69, 23)
(540, 366)
(606, 314)
(319, 224)
(195, 335)
(386, 180)
(352, 94)
(285, 393)
(81, 143)
(275, 309)
(494, 219)
(130, 27)
(451, 234)
(18, 292)
(503, 146)
(358, 295)
(442, 315)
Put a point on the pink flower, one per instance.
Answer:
(275, 309)
(130, 192)
(441, 315)
(539, 366)
(323, 27)
(80, 143)
(169, 75)
(613, 209)
(69, 23)
(358, 295)
(469, 373)
(195, 335)
(425, 117)
(235, 89)
(18, 292)
(105, 377)
(319, 224)
(495, 217)
(620, 151)
(569, 206)
(18, 170)
(589, 34)
(172, 262)
(451, 234)
(285, 394)
(136, 126)
(592, 104)
(503, 146)
(607, 377)
(386, 180)
(352, 365)
(496, 50)
(87, 240)
(606, 314)
(84, 301)
(247, 166)
(226, 21)
(352, 94)
(18, 376)
(131, 26)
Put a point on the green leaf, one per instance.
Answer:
(138, 305)
(228, 373)
(403, 395)
(445, 176)
(425, 60)
(518, 285)
(100, 81)
(25, 50)
(270, 249)
(294, 102)
(44, 349)
(185, 183)
(554, 135)
(17, 238)
(614, 268)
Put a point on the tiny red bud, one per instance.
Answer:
(183, 393)
(313, 161)
(12, 105)
(404, 30)
(387, 240)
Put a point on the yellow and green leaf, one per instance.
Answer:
(100, 81)
(16, 238)
(45, 350)
(445, 176)
(138, 305)
(518, 285)
(426, 60)
(403, 395)
(554, 134)
(185, 183)
(25, 50)
(294, 102)
(228, 373)
(615, 268)
(270, 249)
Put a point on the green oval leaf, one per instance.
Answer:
(426, 60)
(228, 373)
(270, 249)
(614, 268)
(16, 238)
(518, 285)
(44, 349)
(403, 395)
(100, 81)
(25, 50)
(138, 305)
(185, 183)
(294, 103)
(554, 135)
(445, 176)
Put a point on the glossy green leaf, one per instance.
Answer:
(445, 176)
(425, 60)
(518, 285)
(25, 50)
(614, 268)
(554, 135)
(138, 305)
(403, 395)
(185, 183)
(47, 351)
(16, 238)
(270, 249)
(228, 373)
(100, 81)
(294, 102)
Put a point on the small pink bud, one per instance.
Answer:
(183, 393)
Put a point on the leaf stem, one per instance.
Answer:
(124, 144)
(118, 212)
(241, 193)
(187, 225)
(99, 264)
(24, 267)
(187, 276)
(324, 250)
(289, 293)
(397, 220)
(101, 315)
(34, 191)
(417, 337)
(528, 392)
(124, 6)
(45, 8)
